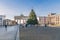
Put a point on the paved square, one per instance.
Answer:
(40, 33)
(9, 33)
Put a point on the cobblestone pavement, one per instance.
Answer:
(40, 33)
(8, 33)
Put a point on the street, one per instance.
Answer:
(8, 34)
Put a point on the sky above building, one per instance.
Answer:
(12, 8)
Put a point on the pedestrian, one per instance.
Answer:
(45, 25)
(6, 27)
(26, 25)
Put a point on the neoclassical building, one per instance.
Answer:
(21, 19)
(54, 19)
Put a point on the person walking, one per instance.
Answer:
(6, 27)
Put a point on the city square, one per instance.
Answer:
(39, 33)
(29, 19)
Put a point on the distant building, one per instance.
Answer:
(2, 17)
(22, 19)
(9, 22)
(54, 19)
(43, 20)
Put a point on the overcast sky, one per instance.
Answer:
(11, 8)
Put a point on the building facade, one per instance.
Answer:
(21, 19)
(9, 22)
(43, 20)
(54, 19)
(2, 17)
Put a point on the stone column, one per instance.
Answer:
(23, 21)
(17, 20)
(20, 21)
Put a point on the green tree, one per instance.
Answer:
(32, 18)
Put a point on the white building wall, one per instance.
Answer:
(2, 17)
